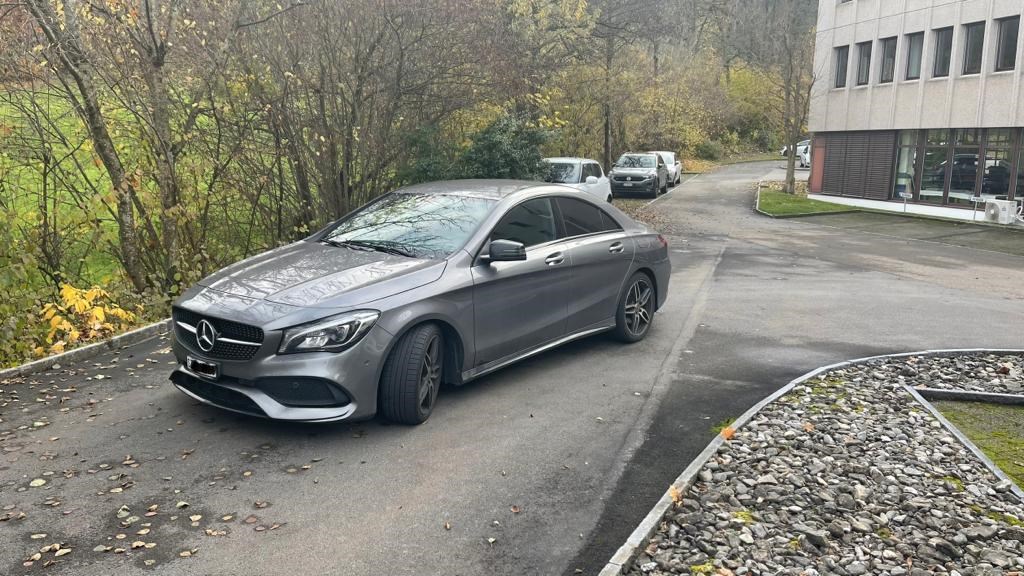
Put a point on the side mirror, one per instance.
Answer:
(591, 179)
(506, 251)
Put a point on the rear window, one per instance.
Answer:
(583, 218)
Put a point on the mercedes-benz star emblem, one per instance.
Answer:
(206, 335)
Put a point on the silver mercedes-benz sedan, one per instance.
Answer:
(431, 284)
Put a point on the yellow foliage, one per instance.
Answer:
(82, 315)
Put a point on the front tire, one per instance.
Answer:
(635, 312)
(412, 376)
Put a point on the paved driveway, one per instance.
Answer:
(555, 459)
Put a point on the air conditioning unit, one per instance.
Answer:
(1000, 211)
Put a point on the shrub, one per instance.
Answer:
(80, 316)
(709, 150)
(509, 147)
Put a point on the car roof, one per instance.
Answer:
(662, 152)
(494, 189)
(569, 159)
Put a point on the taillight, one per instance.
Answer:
(663, 241)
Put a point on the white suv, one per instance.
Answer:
(580, 173)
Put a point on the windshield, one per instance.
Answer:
(563, 173)
(636, 161)
(419, 225)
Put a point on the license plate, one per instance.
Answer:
(203, 368)
(627, 184)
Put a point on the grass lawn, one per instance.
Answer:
(779, 203)
(997, 429)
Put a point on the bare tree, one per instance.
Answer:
(777, 36)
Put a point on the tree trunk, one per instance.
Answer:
(69, 58)
(166, 177)
(607, 106)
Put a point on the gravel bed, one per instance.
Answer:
(993, 373)
(846, 474)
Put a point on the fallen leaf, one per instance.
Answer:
(251, 519)
(261, 504)
(491, 541)
(138, 544)
(195, 517)
(149, 562)
(728, 432)
(142, 532)
(62, 552)
(37, 483)
(808, 427)
(447, 525)
(181, 505)
(515, 509)
(38, 536)
(227, 518)
(676, 495)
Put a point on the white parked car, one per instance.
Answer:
(582, 174)
(674, 166)
(803, 148)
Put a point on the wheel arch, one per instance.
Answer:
(454, 346)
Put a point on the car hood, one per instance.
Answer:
(311, 274)
(634, 171)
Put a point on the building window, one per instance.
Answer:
(943, 52)
(915, 51)
(974, 40)
(995, 182)
(842, 62)
(933, 173)
(906, 166)
(964, 168)
(1006, 51)
(888, 71)
(863, 63)
(1018, 194)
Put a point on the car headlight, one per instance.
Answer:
(648, 177)
(332, 334)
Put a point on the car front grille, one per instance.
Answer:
(235, 341)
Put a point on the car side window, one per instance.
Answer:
(531, 223)
(583, 218)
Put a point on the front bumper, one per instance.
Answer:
(638, 187)
(310, 387)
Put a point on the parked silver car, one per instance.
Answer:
(435, 283)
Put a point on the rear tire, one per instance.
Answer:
(635, 313)
(412, 376)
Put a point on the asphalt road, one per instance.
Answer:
(542, 468)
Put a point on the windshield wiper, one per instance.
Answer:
(376, 246)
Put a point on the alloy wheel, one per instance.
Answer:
(430, 374)
(639, 307)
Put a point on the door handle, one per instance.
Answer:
(616, 248)
(554, 259)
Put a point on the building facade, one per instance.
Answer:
(919, 101)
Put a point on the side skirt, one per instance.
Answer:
(502, 362)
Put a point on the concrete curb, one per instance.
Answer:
(969, 396)
(90, 351)
(628, 552)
